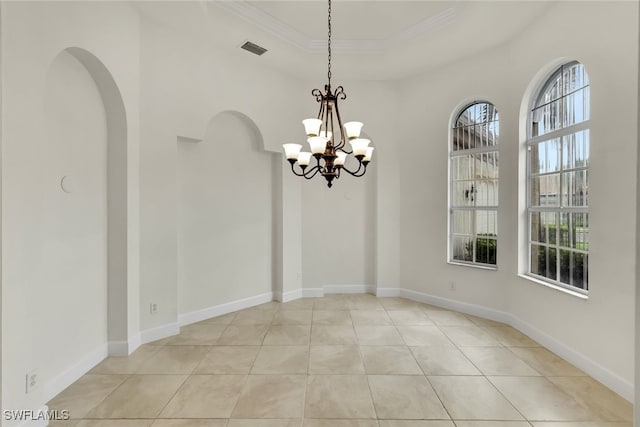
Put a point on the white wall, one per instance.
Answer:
(612, 66)
(591, 328)
(338, 223)
(341, 243)
(187, 83)
(54, 244)
(427, 105)
(225, 215)
(69, 254)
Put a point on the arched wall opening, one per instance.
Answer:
(117, 202)
(226, 218)
(101, 174)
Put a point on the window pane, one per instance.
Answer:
(463, 193)
(545, 190)
(579, 270)
(563, 232)
(573, 268)
(461, 222)
(460, 138)
(487, 223)
(477, 112)
(580, 231)
(486, 250)
(565, 266)
(492, 113)
(545, 156)
(493, 130)
(543, 261)
(575, 150)
(544, 227)
(551, 91)
(462, 248)
(575, 191)
(488, 163)
(476, 137)
(548, 117)
(486, 193)
(461, 168)
(574, 78)
(575, 107)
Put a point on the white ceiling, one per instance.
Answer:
(370, 39)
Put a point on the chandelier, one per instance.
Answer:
(329, 155)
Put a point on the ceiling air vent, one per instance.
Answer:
(253, 48)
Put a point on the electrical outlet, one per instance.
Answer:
(153, 308)
(452, 286)
(31, 380)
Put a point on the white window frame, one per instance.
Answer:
(471, 208)
(532, 141)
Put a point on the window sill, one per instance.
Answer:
(555, 287)
(481, 267)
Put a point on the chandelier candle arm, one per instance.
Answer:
(326, 146)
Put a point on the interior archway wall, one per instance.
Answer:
(71, 250)
(225, 215)
(117, 190)
(34, 34)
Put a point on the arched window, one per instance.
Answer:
(473, 182)
(558, 179)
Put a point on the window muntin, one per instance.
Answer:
(473, 204)
(558, 180)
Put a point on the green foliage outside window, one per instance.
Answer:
(486, 249)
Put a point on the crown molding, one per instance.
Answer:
(273, 25)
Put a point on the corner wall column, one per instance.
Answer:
(289, 271)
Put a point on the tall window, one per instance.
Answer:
(473, 172)
(558, 179)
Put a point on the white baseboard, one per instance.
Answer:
(118, 348)
(595, 370)
(312, 292)
(288, 296)
(463, 307)
(72, 373)
(220, 309)
(124, 348)
(388, 292)
(349, 289)
(159, 332)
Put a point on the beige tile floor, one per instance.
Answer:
(342, 361)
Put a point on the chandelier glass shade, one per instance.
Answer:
(327, 136)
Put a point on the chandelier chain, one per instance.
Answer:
(329, 44)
